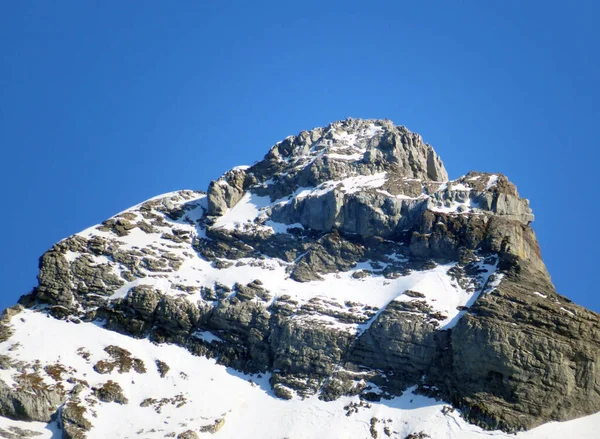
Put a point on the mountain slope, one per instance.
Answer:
(364, 292)
(209, 392)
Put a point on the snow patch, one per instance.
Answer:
(207, 336)
(245, 211)
(567, 311)
(493, 180)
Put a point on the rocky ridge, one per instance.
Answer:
(343, 263)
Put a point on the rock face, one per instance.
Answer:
(553, 347)
(74, 423)
(345, 263)
(29, 402)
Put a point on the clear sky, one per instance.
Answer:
(106, 104)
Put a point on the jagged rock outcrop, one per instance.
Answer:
(74, 421)
(350, 147)
(111, 392)
(553, 350)
(31, 401)
(227, 191)
(343, 261)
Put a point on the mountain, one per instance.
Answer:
(341, 287)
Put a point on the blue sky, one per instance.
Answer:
(105, 104)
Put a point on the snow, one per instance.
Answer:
(443, 187)
(454, 207)
(245, 402)
(166, 195)
(245, 211)
(449, 294)
(160, 283)
(540, 294)
(493, 282)
(372, 130)
(351, 185)
(345, 137)
(207, 336)
(442, 294)
(348, 185)
(282, 228)
(44, 431)
(492, 182)
(71, 256)
(240, 168)
(175, 198)
(567, 311)
(460, 187)
(317, 191)
(350, 157)
(400, 196)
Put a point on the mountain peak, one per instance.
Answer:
(348, 148)
(343, 272)
(364, 177)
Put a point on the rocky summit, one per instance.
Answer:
(341, 287)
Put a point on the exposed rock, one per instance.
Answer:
(74, 423)
(120, 226)
(401, 341)
(364, 197)
(18, 433)
(5, 328)
(391, 149)
(417, 435)
(214, 427)
(330, 254)
(177, 314)
(554, 357)
(282, 392)
(188, 434)
(163, 368)
(55, 280)
(227, 191)
(89, 277)
(144, 299)
(10, 312)
(177, 401)
(110, 392)
(6, 362)
(31, 401)
(121, 360)
(372, 429)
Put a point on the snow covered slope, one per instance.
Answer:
(196, 394)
